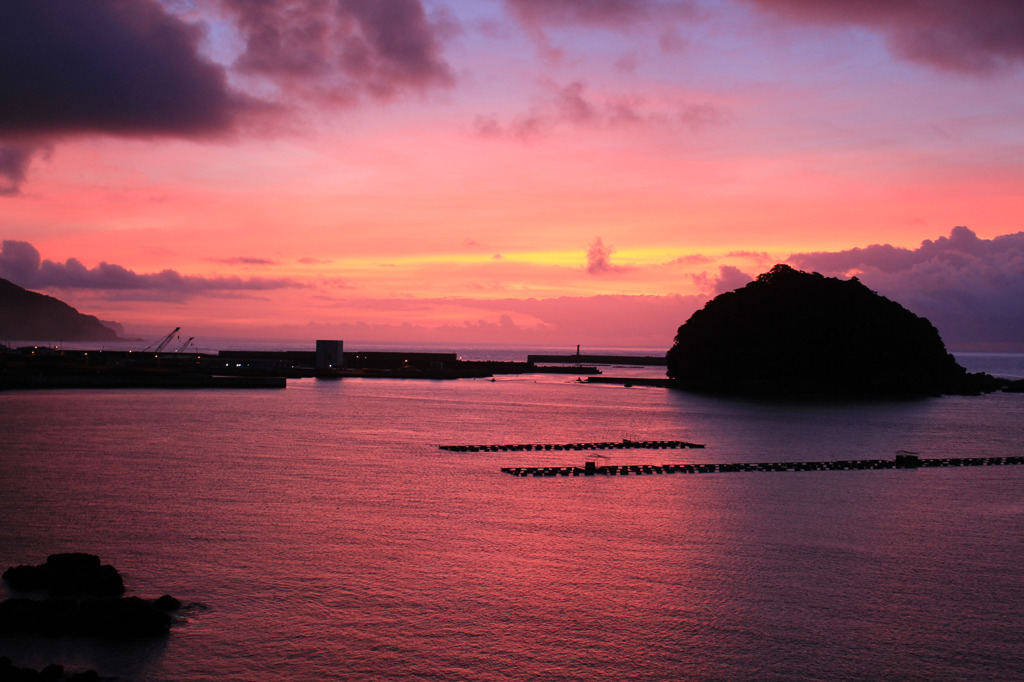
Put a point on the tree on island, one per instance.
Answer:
(796, 333)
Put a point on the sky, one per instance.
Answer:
(527, 172)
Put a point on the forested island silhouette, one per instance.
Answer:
(795, 333)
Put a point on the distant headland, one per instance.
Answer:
(26, 315)
(796, 333)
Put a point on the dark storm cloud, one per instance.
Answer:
(69, 67)
(972, 289)
(964, 35)
(131, 68)
(342, 49)
(20, 263)
(108, 66)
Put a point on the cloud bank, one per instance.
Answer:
(960, 35)
(341, 50)
(972, 289)
(21, 263)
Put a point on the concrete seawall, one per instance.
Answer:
(635, 360)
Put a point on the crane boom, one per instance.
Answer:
(166, 340)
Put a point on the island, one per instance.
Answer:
(793, 333)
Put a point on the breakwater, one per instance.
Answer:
(629, 381)
(900, 462)
(624, 444)
(636, 360)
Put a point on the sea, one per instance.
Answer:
(318, 532)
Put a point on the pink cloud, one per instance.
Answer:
(729, 278)
(244, 260)
(599, 259)
(576, 104)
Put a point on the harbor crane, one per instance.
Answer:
(185, 345)
(163, 343)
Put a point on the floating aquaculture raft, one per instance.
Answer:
(620, 445)
(901, 462)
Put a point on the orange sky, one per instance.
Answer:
(560, 173)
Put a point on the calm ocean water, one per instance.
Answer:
(318, 532)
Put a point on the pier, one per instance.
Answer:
(900, 462)
(624, 444)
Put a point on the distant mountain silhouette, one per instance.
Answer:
(796, 333)
(26, 315)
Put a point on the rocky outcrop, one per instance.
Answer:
(73, 574)
(109, 617)
(51, 673)
(81, 597)
(795, 333)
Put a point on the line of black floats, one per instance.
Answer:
(624, 444)
(901, 462)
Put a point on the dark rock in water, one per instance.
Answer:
(67, 574)
(107, 617)
(796, 333)
(84, 600)
(51, 673)
(125, 617)
(1015, 386)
